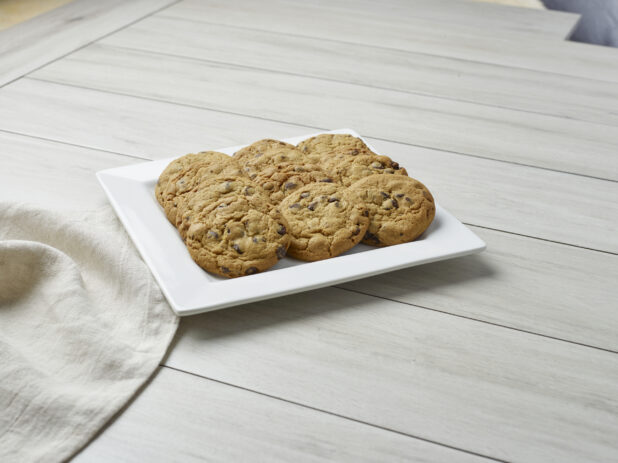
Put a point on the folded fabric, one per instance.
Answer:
(82, 326)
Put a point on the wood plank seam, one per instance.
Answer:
(366, 423)
(158, 10)
(611, 253)
(555, 338)
(329, 79)
(161, 100)
(132, 156)
(369, 46)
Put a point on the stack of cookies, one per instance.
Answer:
(238, 215)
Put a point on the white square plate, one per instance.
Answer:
(191, 290)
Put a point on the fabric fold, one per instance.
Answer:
(83, 325)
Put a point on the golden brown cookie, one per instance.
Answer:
(400, 208)
(268, 152)
(283, 179)
(231, 238)
(324, 221)
(181, 163)
(350, 169)
(191, 177)
(210, 191)
(322, 148)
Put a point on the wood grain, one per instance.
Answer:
(537, 286)
(53, 175)
(180, 417)
(314, 19)
(496, 133)
(503, 393)
(479, 191)
(47, 37)
(533, 91)
(482, 18)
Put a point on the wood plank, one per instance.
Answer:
(545, 288)
(519, 200)
(180, 417)
(358, 26)
(126, 125)
(503, 393)
(496, 133)
(484, 18)
(47, 37)
(539, 92)
(53, 175)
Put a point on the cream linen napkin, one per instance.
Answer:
(82, 326)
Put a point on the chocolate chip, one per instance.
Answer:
(222, 205)
(395, 203)
(295, 206)
(400, 195)
(213, 234)
(332, 200)
(395, 165)
(290, 186)
(327, 180)
(225, 270)
(365, 213)
(237, 248)
(282, 230)
(251, 271)
(280, 252)
(409, 200)
(255, 240)
(311, 206)
(385, 195)
(354, 152)
(228, 231)
(305, 194)
(371, 237)
(356, 232)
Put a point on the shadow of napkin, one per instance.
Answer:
(83, 325)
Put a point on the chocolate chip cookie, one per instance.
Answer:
(268, 152)
(349, 169)
(281, 180)
(322, 148)
(232, 238)
(181, 163)
(191, 177)
(400, 208)
(324, 221)
(213, 189)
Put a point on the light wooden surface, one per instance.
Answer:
(551, 142)
(309, 19)
(508, 356)
(49, 36)
(419, 73)
(186, 418)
